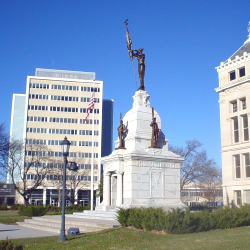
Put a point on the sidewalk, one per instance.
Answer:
(16, 231)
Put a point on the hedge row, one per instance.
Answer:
(182, 221)
(40, 210)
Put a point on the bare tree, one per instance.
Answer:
(26, 166)
(196, 167)
(75, 180)
(4, 145)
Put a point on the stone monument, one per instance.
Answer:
(141, 175)
(141, 172)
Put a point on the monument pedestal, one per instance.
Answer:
(141, 176)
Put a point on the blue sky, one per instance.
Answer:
(183, 41)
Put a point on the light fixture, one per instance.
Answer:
(65, 146)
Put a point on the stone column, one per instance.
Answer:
(119, 189)
(44, 196)
(107, 188)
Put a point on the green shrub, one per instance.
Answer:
(122, 216)
(16, 207)
(8, 245)
(32, 211)
(197, 222)
(3, 208)
(181, 221)
(174, 220)
(153, 219)
(135, 217)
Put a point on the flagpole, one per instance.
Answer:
(92, 156)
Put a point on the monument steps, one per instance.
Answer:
(99, 215)
(52, 223)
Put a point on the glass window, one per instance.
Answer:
(236, 129)
(243, 103)
(234, 106)
(242, 72)
(245, 128)
(247, 165)
(237, 166)
(238, 198)
(232, 75)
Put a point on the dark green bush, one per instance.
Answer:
(32, 211)
(135, 217)
(16, 207)
(122, 216)
(153, 219)
(181, 221)
(174, 220)
(8, 245)
(197, 222)
(3, 208)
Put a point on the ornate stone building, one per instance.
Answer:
(234, 102)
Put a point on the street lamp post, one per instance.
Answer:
(65, 151)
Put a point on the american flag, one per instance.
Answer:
(90, 106)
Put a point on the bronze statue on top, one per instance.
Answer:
(141, 66)
(140, 57)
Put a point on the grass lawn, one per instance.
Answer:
(126, 238)
(9, 217)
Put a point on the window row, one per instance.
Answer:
(70, 98)
(238, 105)
(37, 107)
(63, 120)
(71, 120)
(201, 193)
(37, 119)
(237, 73)
(42, 97)
(84, 110)
(242, 196)
(64, 109)
(87, 99)
(36, 130)
(59, 177)
(240, 128)
(35, 142)
(87, 166)
(60, 166)
(90, 89)
(61, 109)
(59, 154)
(242, 165)
(88, 132)
(87, 143)
(64, 87)
(62, 131)
(64, 98)
(59, 142)
(39, 86)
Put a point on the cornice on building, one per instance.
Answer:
(233, 84)
(232, 63)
